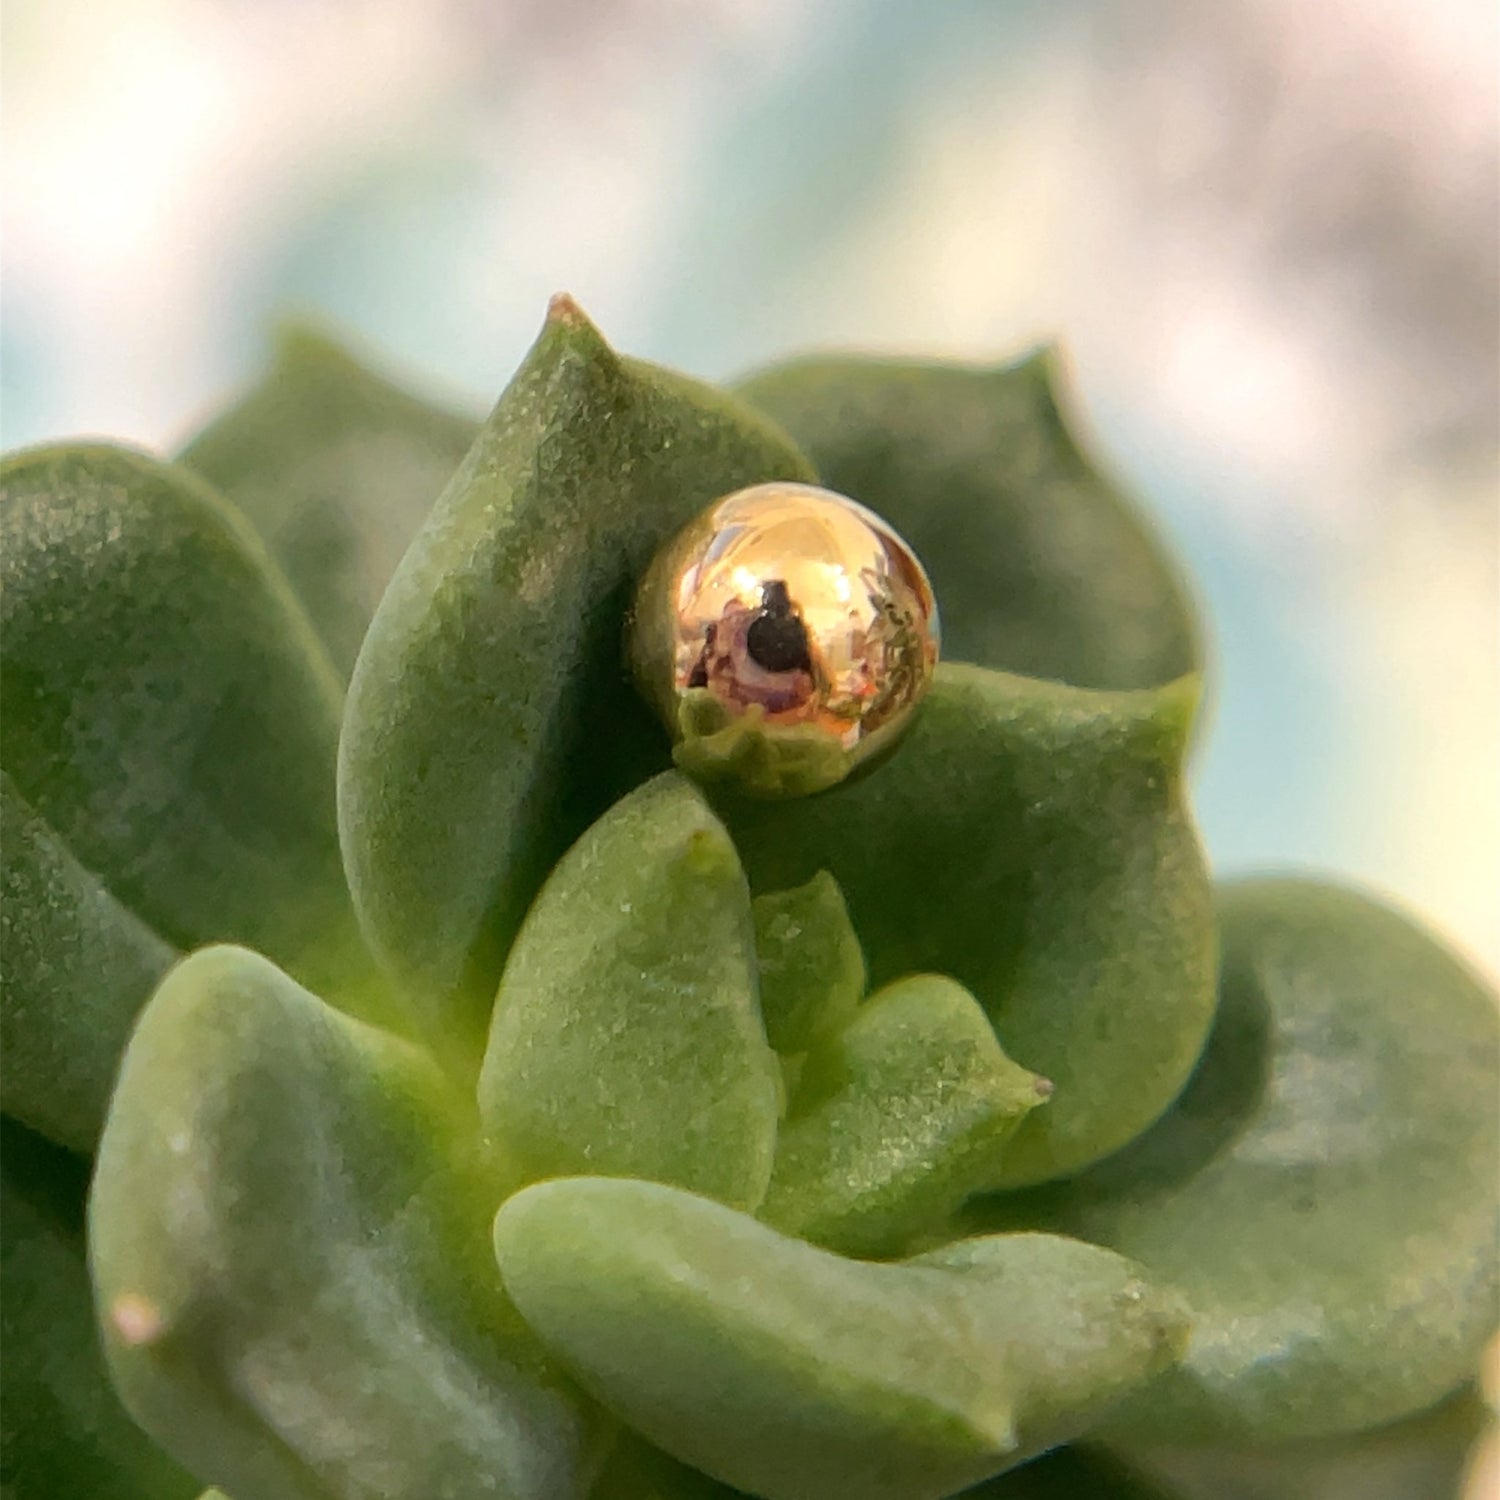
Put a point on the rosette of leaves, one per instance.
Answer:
(468, 1106)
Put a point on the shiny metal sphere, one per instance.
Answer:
(785, 637)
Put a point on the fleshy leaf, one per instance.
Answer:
(490, 719)
(63, 1432)
(1421, 1458)
(291, 1262)
(1324, 1193)
(795, 1374)
(1041, 566)
(1032, 841)
(896, 1120)
(627, 1039)
(812, 969)
(169, 713)
(336, 468)
(75, 967)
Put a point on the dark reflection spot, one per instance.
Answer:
(699, 675)
(777, 638)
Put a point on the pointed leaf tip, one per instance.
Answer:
(564, 310)
(790, 1372)
(282, 1196)
(488, 720)
(63, 1432)
(566, 321)
(895, 1120)
(136, 1319)
(1032, 841)
(1041, 564)
(1324, 1191)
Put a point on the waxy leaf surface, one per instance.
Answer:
(627, 1039)
(812, 969)
(896, 1120)
(1040, 565)
(1425, 1457)
(170, 716)
(75, 967)
(63, 1433)
(1032, 841)
(336, 468)
(490, 719)
(1324, 1192)
(796, 1374)
(290, 1254)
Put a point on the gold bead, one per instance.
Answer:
(785, 638)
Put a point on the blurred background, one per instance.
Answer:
(1266, 231)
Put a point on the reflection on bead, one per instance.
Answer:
(785, 637)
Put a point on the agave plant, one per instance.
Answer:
(417, 1089)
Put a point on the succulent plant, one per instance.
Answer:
(471, 1104)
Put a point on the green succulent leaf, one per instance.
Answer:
(1325, 1191)
(169, 715)
(1041, 565)
(896, 1120)
(812, 969)
(1421, 1458)
(63, 1432)
(490, 719)
(291, 1261)
(336, 468)
(1031, 840)
(796, 1374)
(75, 967)
(627, 1039)
(292, 1227)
